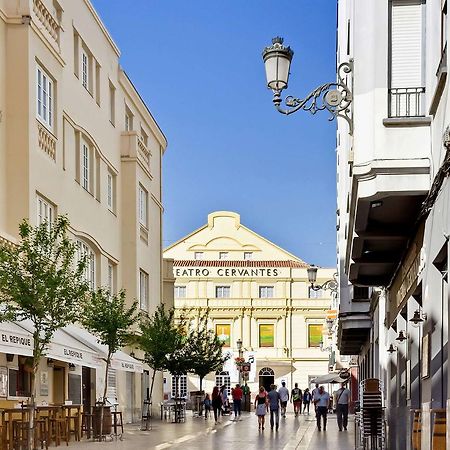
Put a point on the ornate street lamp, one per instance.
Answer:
(312, 277)
(418, 318)
(334, 97)
(239, 347)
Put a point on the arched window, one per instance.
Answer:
(266, 371)
(89, 270)
(223, 378)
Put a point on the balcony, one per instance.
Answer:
(406, 102)
(354, 322)
(48, 25)
(134, 149)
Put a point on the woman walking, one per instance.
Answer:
(306, 400)
(261, 407)
(216, 400)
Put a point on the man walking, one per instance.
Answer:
(284, 398)
(237, 393)
(342, 401)
(274, 405)
(321, 401)
(296, 398)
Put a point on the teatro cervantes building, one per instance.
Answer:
(256, 293)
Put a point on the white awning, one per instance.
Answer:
(120, 360)
(66, 348)
(328, 378)
(15, 340)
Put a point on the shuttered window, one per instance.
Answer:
(406, 71)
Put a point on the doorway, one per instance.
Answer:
(266, 378)
(58, 385)
(86, 388)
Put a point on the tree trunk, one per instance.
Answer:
(105, 390)
(32, 402)
(153, 382)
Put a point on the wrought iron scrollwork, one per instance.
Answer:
(335, 97)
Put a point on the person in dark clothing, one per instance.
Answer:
(306, 400)
(216, 400)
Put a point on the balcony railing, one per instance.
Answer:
(406, 102)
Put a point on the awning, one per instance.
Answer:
(329, 378)
(66, 348)
(15, 339)
(120, 360)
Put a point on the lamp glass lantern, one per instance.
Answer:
(239, 345)
(312, 274)
(401, 337)
(391, 349)
(277, 61)
(416, 319)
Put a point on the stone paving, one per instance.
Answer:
(197, 433)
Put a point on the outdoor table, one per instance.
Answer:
(8, 418)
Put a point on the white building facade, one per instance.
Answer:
(393, 206)
(257, 293)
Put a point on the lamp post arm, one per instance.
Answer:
(334, 97)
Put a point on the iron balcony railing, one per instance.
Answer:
(406, 102)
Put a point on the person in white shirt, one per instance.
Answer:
(284, 398)
(342, 401)
(313, 393)
(321, 401)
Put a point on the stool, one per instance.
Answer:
(86, 424)
(58, 431)
(42, 434)
(76, 426)
(117, 421)
(19, 436)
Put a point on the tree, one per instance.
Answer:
(160, 338)
(41, 281)
(204, 350)
(106, 316)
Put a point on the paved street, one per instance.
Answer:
(294, 433)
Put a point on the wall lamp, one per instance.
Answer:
(401, 337)
(335, 97)
(391, 349)
(418, 318)
(331, 285)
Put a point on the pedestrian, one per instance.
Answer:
(313, 393)
(225, 402)
(216, 401)
(284, 398)
(321, 401)
(261, 407)
(306, 400)
(342, 401)
(237, 393)
(207, 405)
(274, 406)
(296, 398)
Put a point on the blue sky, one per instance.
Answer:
(198, 66)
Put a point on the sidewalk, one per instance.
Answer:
(197, 433)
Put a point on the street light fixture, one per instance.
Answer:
(417, 318)
(331, 285)
(401, 337)
(334, 97)
(391, 349)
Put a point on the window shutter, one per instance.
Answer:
(406, 44)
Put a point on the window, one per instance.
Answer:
(110, 190)
(112, 103)
(85, 166)
(198, 256)
(112, 384)
(406, 85)
(128, 120)
(45, 212)
(223, 255)
(144, 137)
(222, 291)
(44, 98)
(266, 292)
(266, 335)
(111, 277)
(223, 379)
(315, 335)
(143, 290)
(85, 69)
(248, 256)
(89, 271)
(179, 386)
(223, 332)
(315, 293)
(143, 206)
(180, 291)
(20, 380)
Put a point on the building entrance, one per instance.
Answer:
(266, 378)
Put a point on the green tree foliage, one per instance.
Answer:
(204, 350)
(42, 281)
(161, 336)
(106, 316)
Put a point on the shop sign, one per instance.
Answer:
(74, 354)
(229, 272)
(16, 340)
